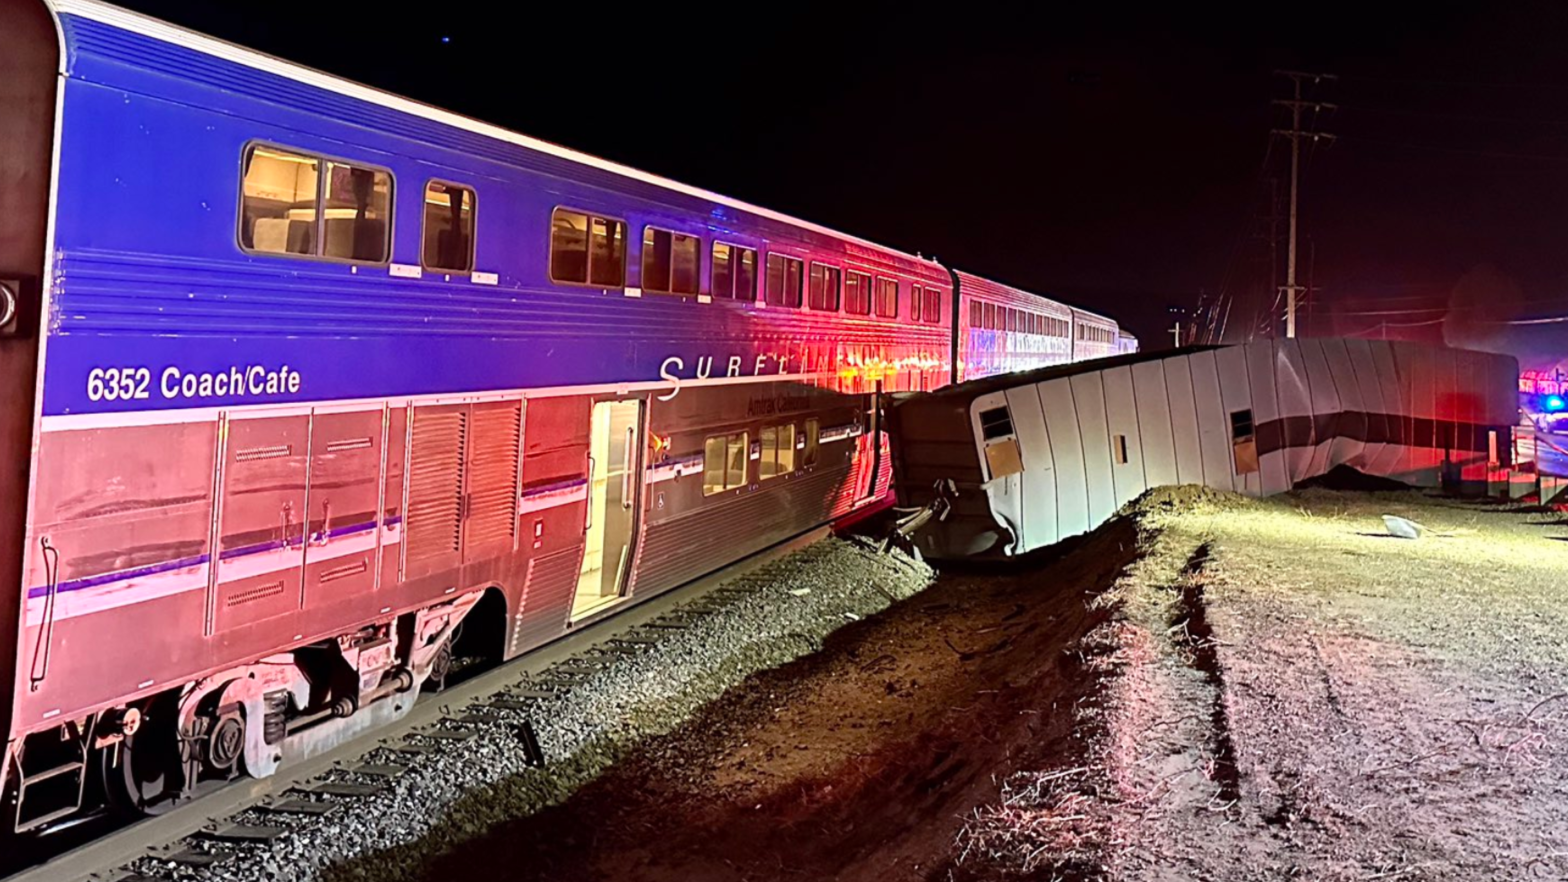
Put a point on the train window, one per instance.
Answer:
(607, 252)
(656, 259)
(887, 298)
(724, 463)
(722, 284)
(988, 318)
(293, 203)
(809, 453)
(915, 303)
(825, 286)
(734, 272)
(587, 249)
(357, 207)
(278, 210)
(974, 313)
(669, 261)
(784, 281)
(449, 228)
(778, 451)
(857, 293)
(569, 247)
(933, 307)
(746, 274)
(687, 252)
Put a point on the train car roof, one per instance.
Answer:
(1014, 289)
(975, 388)
(162, 30)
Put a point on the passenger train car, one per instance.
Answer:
(311, 390)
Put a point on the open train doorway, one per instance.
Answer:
(610, 525)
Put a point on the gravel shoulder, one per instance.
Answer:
(1206, 687)
(882, 755)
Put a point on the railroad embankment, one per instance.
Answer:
(1207, 687)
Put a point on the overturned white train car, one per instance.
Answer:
(1025, 460)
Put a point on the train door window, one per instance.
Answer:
(358, 206)
(857, 294)
(607, 252)
(449, 228)
(825, 284)
(813, 446)
(278, 206)
(669, 261)
(724, 463)
(784, 281)
(933, 305)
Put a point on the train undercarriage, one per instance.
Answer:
(150, 755)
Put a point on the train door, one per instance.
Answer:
(614, 484)
(871, 444)
(345, 476)
(261, 522)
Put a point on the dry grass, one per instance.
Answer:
(1310, 698)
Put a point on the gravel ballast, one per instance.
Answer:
(657, 676)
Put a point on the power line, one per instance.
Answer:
(1453, 83)
(1499, 154)
(1360, 108)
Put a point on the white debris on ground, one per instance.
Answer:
(779, 612)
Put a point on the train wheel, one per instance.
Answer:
(440, 668)
(146, 775)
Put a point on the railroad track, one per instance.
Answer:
(204, 832)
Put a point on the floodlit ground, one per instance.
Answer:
(1312, 698)
(1208, 687)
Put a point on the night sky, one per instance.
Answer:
(1115, 159)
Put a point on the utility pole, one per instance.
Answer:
(1296, 133)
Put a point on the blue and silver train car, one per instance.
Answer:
(311, 390)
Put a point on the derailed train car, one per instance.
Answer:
(1026, 460)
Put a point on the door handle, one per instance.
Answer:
(626, 471)
(588, 497)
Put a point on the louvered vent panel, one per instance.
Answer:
(492, 477)
(435, 484)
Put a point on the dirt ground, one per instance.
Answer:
(1207, 688)
(1315, 699)
(863, 761)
